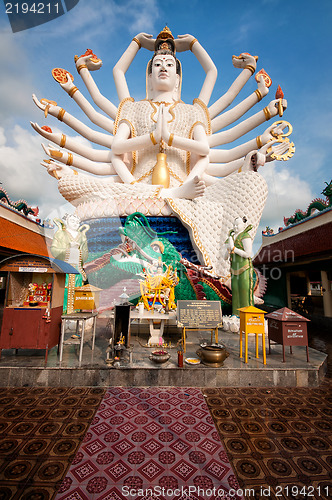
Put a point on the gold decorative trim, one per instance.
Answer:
(206, 111)
(61, 114)
(48, 105)
(171, 111)
(75, 172)
(132, 128)
(237, 272)
(173, 174)
(63, 141)
(188, 154)
(267, 113)
(117, 118)
(81, 66)
(137, 41)
(251, 68)
(54, 174)
(70, 159)
(153, 140)
(215, 289)
(55, 153)
(154, 107)
(192, 43)
(259, 95)
(145, 175)
(157, 192)
(154, 111)
(259, 141)
(170, 140)
(72, 91)
(190, 223)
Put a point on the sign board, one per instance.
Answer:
(26, 264)
(32, 269)
(203, 314)
(295, 331)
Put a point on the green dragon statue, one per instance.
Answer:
(20, 206)
(317, 204)
(141, 247)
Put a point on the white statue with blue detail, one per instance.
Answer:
(162, 156)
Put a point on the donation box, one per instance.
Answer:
(34, 302)
(287, 328)
(86, 298)
(251, 320)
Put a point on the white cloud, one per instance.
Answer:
(14, 94)
(287, 192)
(97, 20)
(21, 173)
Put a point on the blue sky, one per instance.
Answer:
(292, 40)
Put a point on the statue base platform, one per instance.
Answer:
(26, 368)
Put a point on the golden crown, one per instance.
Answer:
(165, 34)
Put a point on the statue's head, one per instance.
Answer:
(164, 70)
(239, 224)
(72, 221)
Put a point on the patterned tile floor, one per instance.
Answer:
(155, 439)
(40, 433)
(278, 441)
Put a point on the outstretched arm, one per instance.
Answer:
(58, 170)
(234, 114)
(97, 118)
(76, 147)
(253, 160)
(62, 115)
(248, 64)
(188, 42)
(76, 161)
(254, 121)
(141, 40)
(223, 169)
(268, 137)
(84, 65)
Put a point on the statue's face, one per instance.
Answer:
(239, 225)
(163, 75)
(73, 222)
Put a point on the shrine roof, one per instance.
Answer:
(308, 239)
(33, 261)
(285, 314)
(19, 238)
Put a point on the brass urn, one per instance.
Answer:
(212, 355)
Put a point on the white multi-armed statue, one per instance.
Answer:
(163, 156)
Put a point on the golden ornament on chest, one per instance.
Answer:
(160, 174)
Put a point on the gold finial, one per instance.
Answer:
(165, 34)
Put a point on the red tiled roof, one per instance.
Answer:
(21, 239)
(310, 243)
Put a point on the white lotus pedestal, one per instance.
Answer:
(156, 322)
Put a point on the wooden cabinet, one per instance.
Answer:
(28, 323)
(24, 328)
